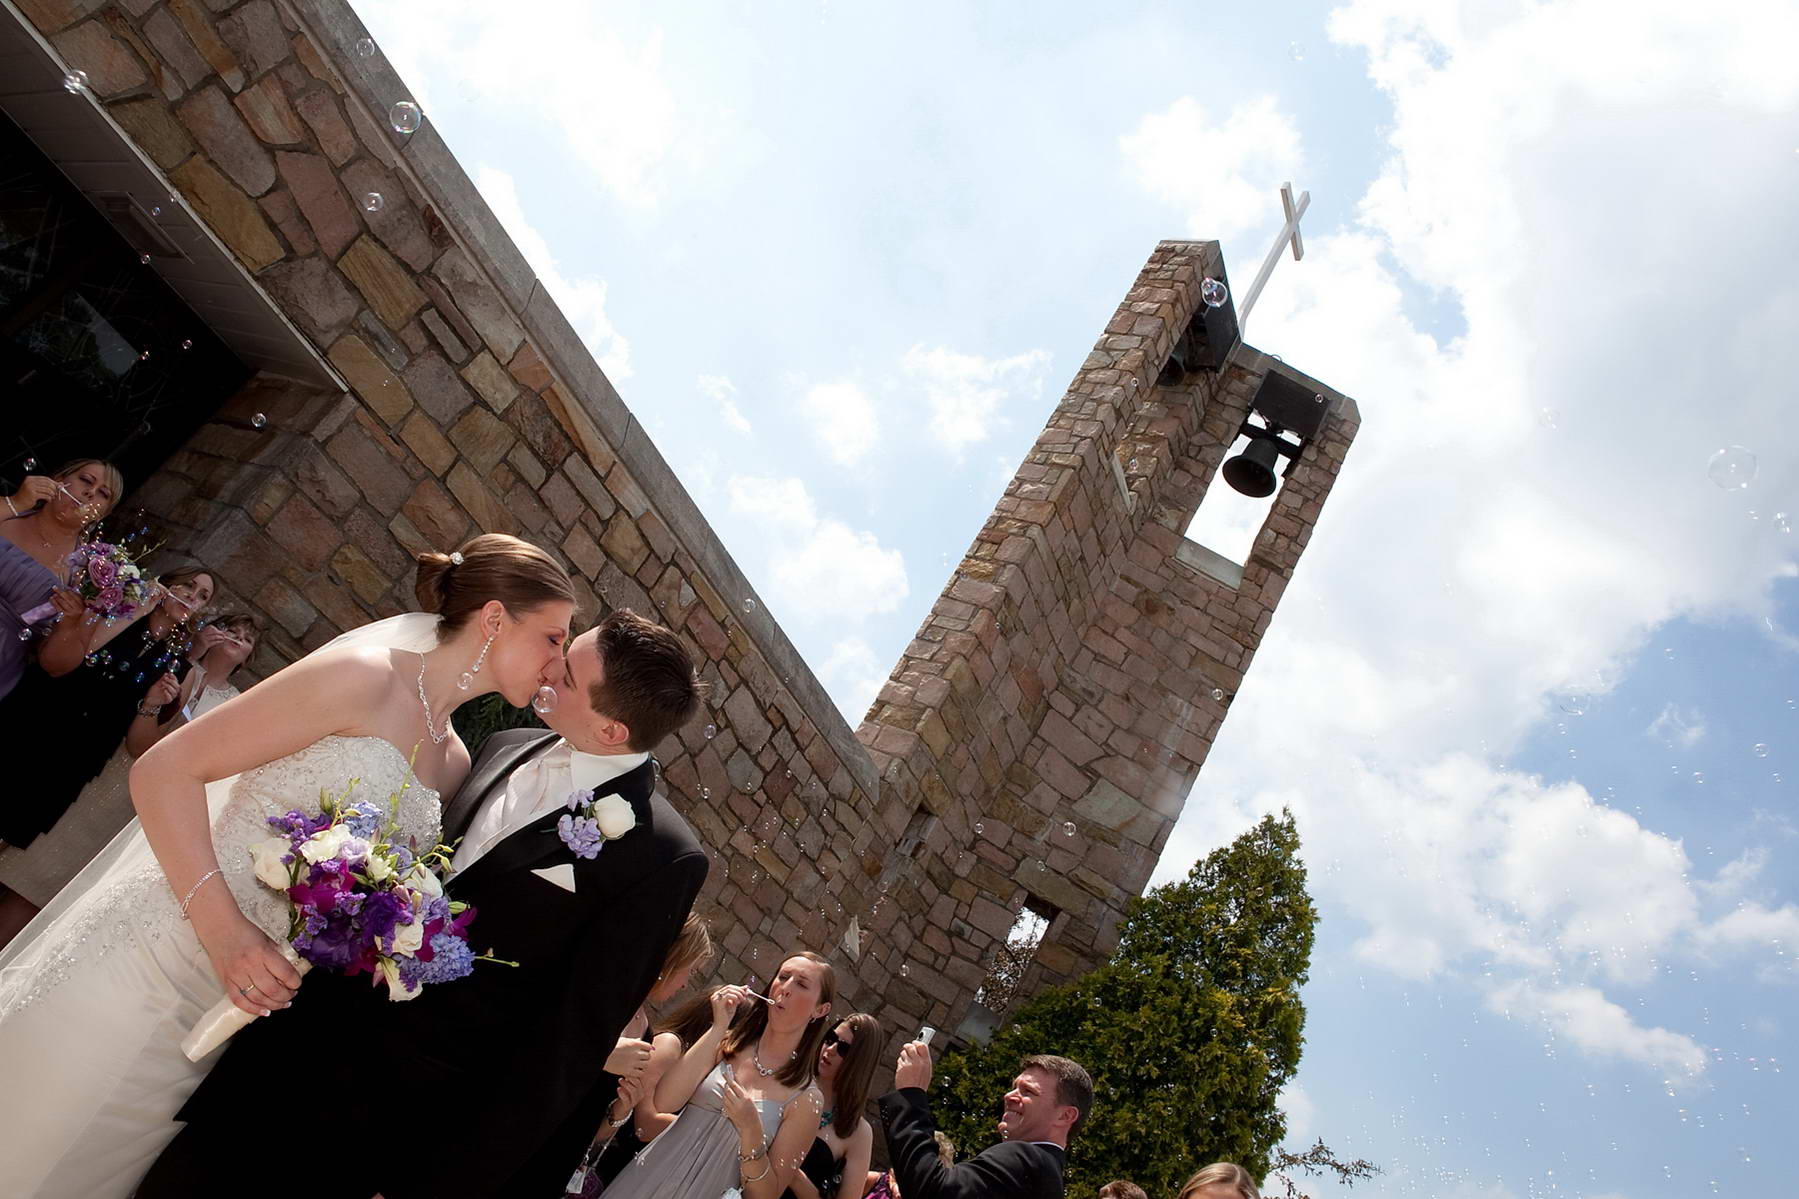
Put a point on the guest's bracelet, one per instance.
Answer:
(620, 1122)
(9, 504)
(766, 1167)
(153, 710)
(755, 1154)
(189, 897)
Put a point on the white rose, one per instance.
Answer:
(396, 990)
(408, 937)
(614, 816)
(271, 871)
(326, 843)
(378, 868)
(421, 878)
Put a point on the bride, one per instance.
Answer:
(101, 987)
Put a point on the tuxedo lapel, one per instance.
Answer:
(494, 770)
(538, 840)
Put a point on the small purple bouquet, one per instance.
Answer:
(106, 576)
(360, 904)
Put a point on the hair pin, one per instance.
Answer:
(455, 557)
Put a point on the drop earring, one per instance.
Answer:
(468, 676)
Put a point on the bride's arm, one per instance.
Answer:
(312, 699)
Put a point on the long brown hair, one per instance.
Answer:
(804, 1067)
(688, 1022)
(494, 566)
(691, 946)
(856, 1071)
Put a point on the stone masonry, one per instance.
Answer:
(1073, 673)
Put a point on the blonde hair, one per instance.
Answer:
(1229, 1173)
(115, 479)
(691, 946)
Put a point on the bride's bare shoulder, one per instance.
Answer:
(353, 671)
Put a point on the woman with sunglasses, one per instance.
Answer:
(837, 1162)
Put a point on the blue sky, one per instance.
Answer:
(841, 259)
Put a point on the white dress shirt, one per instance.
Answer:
(535, 789)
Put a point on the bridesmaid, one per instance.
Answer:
(750, 1106)
(836, 1166)
(41, 527)
(91, 688)
(35, 875)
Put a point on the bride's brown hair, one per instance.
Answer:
(494, 566)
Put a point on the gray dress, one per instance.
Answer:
(696, 1156)
(25, 583)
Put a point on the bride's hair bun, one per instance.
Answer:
(493, 566)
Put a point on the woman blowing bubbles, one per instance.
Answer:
(751, 1109)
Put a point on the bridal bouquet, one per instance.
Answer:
(360, 904)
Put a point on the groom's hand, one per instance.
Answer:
(628, 1058)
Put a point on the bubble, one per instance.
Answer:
(143, 355)
(1547, 417)
(1668, 653)
(1296, 52)
(544, 702)
(1041, 865)
(404, 117)
(1760, 749)
(1213, 292)
(258, 421)
(1561, 728)
(1576, 704)
(1068, 828)
(1218, 694)
(1699, 776)
(465, 680)
(711, 731)
(187, 343)
(156, 210)
(1732, 468)
(1777, 777)
(905, 971)
(749, 605)
(75, 82)
(143, 259)
(979, 828)
(1783, 522)
(705, 793)
(373, 202)
(365, 48)
(30, 464)
(25, 634)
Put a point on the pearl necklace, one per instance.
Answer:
(437, 738)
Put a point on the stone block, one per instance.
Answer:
(287, 607)
(482, 438)
(270, 117)
(624, 545)
(175, 48)
(355, 568)
(50, 16)
(583, 552)
(441, 333)
(382, 340)
(397, 223)
(422, 436)
(110, 65)
(490, 515)
(370, 378)
(375, 462)
(438, 522)
(563, 500)
(588, 484)
(313, 295)
(491, 381)
(438, 389)
(463, 209)
(318, 477)
(531, 417)
(530, 470)
(383, 282)
(254, 33)
(197, 24)
(318, 108)
(744, 711)
(221, 132)
(480, 302)
(154, 129)
(529, 369)
(313, 185)
(308, 535)
(231, 214)
(279, 206)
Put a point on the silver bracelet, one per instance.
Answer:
(766, 1167)
(9, 504)
(189, 897)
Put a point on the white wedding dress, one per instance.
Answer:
(110, 978)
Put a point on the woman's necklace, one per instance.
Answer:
(437, 738)
(825, 1117)
(764, 1071)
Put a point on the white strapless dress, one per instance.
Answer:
(93, 1010)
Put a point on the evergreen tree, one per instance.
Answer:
(1190, 1030)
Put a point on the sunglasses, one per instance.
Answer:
(840, 1044)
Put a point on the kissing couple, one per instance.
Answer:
(489, 1085)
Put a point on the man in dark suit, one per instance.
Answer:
(1047, 1102)
(499, 1076)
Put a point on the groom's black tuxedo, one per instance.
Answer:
(497, 1079)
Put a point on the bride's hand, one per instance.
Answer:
(253, 971)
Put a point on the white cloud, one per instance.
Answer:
(1300, 1111)
(967, 393)
(1223, 174)
(819, 569)
(582, 300)
(1474, 560)
(606, 98)
(1677, 728)
(723, 392)
(1603, 1029)
(842, 419)
(854, 675)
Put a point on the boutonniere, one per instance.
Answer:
(590, 823)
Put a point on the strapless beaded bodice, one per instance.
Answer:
(137, 903)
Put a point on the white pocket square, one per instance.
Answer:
(563, 876)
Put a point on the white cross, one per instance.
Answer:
(1289, 235)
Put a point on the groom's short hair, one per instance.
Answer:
(647, 678)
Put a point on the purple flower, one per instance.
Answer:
(381, 912)
(451, 958)
(364, 819)
(103, 571)
(581, 834)
(580, 799)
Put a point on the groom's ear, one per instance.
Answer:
(615, 734)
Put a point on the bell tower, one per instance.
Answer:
(1037, 740)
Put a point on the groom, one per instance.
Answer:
(492, 1084)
